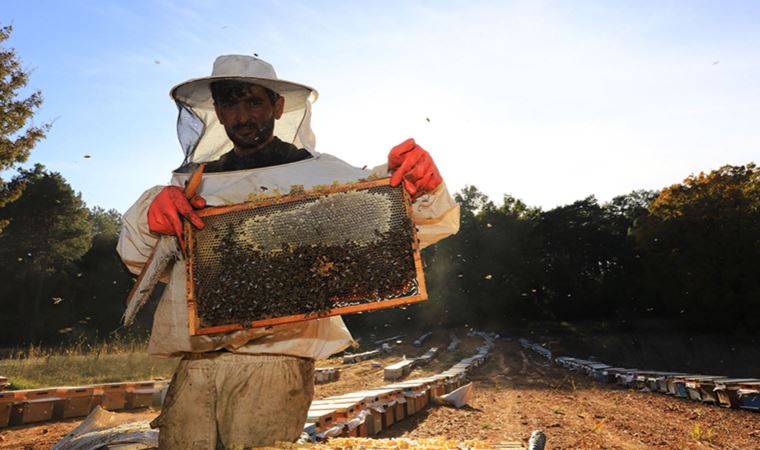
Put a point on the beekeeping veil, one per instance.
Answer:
(201, 135)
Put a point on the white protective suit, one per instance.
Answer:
(203, 139)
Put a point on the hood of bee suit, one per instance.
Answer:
(201, 135)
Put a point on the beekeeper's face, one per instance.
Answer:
(248, 112)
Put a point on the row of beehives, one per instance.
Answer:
(38, 405)
(358, 357)
(729, 392)
(368, 412)
(326, 375)
(421, 340)
(402, 368)
(454, 343)
(545, 352)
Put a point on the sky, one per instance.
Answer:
(547, 101)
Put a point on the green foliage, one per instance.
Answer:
(18, 135)
(50, 225)
(50, 230)
(700, 244)
(99, 292)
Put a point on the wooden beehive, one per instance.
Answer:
(338, 250)
(321, 417)
(140, 397)
(78, 402)
(372, 403)
(34, 405)
(388, 398)
(114, 395)
(727, 390)
(7, 400)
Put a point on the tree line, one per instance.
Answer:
(688, 255)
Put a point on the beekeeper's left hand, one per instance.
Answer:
(414, 166)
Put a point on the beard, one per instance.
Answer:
(251, 135)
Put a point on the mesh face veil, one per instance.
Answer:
(201, 135)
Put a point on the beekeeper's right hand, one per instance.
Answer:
(169, 204)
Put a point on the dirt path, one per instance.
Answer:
(516, 393)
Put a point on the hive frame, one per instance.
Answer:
(194, 325)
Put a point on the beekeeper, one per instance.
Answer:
(252, 387)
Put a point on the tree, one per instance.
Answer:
(50, 230)
(18, 135)
(701, 247)
(100, 291)
(580, 248)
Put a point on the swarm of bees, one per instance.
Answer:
(253, 283)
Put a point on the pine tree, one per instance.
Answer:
(18, 133)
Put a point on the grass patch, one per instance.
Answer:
(82, 364)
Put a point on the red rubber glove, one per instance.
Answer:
(413, 164)
(164, 212)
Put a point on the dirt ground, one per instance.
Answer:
(516, 393)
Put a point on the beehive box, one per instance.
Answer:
(34, 405)
(661, 381)
(372, 404)
(329, 251)
(322, 418)
(727, 390)
(388, 399)
(77, 402)
(398, 369)
(693, 385)
(357, 357)
(677, 386)
(345, 409)
(415, 391)
(7, 399)
(749, 395)
(114, 395)
(140, 394)
(707, 389)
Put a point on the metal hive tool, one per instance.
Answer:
(343, 249)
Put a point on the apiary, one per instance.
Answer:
(328, 251)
